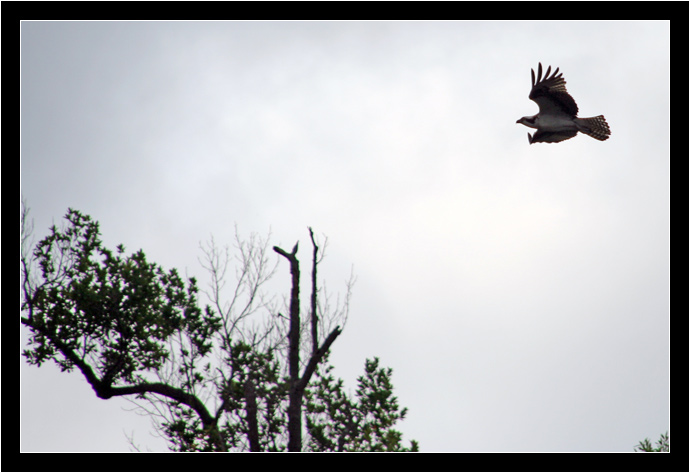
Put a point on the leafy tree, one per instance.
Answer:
(337, 423)
(663, 445)
(210, 380)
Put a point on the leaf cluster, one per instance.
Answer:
(115, 310)
(662, 445)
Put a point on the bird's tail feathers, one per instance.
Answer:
(596, 127)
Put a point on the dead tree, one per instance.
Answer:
(297, 383)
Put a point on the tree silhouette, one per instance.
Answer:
(210, 382)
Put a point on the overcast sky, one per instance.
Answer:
(519, 292)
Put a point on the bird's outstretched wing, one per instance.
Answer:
(550, 93)
(551, 136)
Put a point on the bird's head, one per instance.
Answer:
(528, 121)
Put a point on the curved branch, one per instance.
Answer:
(166, 390)
(104, 390)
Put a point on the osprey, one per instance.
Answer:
(557, 118)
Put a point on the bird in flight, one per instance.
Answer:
(557, 118)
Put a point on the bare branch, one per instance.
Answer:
(317, 357)
(252, 272)
(314, 316)
(26, 244)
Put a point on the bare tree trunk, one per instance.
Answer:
(295, 397)
(252, 423)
